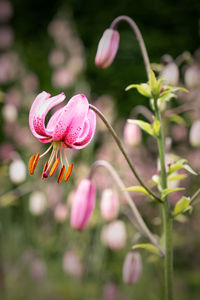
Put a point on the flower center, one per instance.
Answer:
(50, 166)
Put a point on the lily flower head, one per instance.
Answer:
(71, 126)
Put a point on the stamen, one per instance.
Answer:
(69, 171)
(65, 156)
(44, 173)
(30, 165)
(55, 165)
(35, 162)
(61, 174)
(46, 151)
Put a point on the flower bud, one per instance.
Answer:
(110, 291)
(107, 48)
(114, 235)
(37, 203)
(132, 268)
(194, 135)
(132, 134)
(17, 171)
(109, 205)
(83, 204)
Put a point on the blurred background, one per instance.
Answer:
(51, 46)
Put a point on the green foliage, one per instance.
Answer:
(152, 129)
(167, 191)
(148, 247)
(181, 206)
(180, 164)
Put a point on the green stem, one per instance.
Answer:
(123, 151)
(167, 220)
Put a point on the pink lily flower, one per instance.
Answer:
(107, 48)
(71, 126)
(83, 204)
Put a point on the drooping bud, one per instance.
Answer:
(83, 204)
(72, 265)
(132, 134)
(61, 212)
(132, 268)
(109, 205)
(114, 235)
(194, 135)
(107, 48)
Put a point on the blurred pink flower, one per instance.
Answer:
(6, 151)
(83, 204)
(72, 265)
(170, 74)
(71, 126)
(8, 67)
(132, 268)
(6, 37)
(62, 78)
(132, 134)
(56, 57)
(30, 83)
(60, 212)
(13, 96)
(114, 235)
(6, 10)
(110, 291)
(38, 269)
(194, 136)
(107, 48)
(192, 76)
(109, 205)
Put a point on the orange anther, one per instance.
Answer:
(61, 174)
(69, 171)
(44, 169)
(31, 163)
(55, 165)
(35, 161)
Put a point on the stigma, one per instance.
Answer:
(53, 163)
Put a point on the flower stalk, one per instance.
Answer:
(141, 225)
(123, 151)
(167, 219)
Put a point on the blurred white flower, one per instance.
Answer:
(170, 74)
(9, 113)
(72, 265)
(132, 134)
(37, 203)
(192, 76)
(17, 171)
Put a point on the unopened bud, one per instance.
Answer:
(132, 268)
(170, 74)
(192, 76)
(194, 136)
(107, 48)
(114, 235)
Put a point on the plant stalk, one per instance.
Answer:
(167, 220)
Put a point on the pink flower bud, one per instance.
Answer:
(109, 205)
(110, 291)
(107, 48)
(132, 268)
(61, 212)
(114, 235)
(132, 134)
(194, 135)
(83, 204)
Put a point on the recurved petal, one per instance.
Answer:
(87, 135)
(70, 122)
(39, 109)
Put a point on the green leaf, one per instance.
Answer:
(155, 84)
(177, 177)
(177, 119)
(156, 127)
(143, 89)
(181, 206)
(166, 192)
(136, 188)
(181, 164)
(149, 247)
(143, 125)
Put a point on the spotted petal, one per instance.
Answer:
(39, 109)
(70, 123)
(86, 136)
